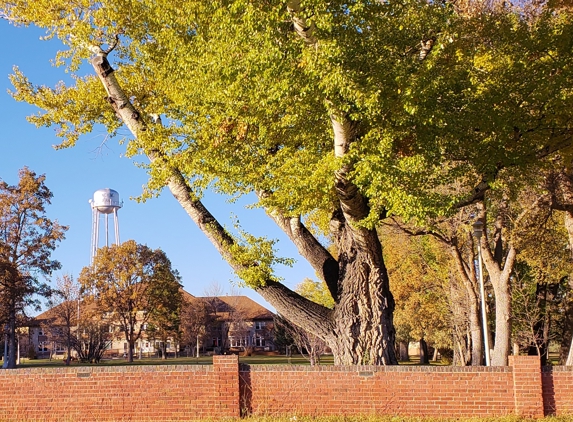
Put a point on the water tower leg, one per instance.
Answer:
(116, 226)
(106, 230)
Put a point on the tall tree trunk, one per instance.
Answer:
(10, 359)
(404, 356)
(468, 277)
(130, 349)
(424, 358)
(500, 281)
(568, 328)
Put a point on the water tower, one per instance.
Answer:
(104, 203)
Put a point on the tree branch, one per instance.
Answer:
(290, 304)
(310, 248)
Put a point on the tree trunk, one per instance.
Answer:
(568, 328)
(468, 277)
(404, 356)
(502, 342)
(130, 348)
(424, 358)
(500, 282)
(10, 359)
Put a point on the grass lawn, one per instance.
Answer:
(203, 360)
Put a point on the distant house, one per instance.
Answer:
(239, 323)
(234, 324)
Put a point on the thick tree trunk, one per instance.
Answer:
(10, 358)
(502, 342)
(500, 281)
(363, 331)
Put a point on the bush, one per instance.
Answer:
(31, 353)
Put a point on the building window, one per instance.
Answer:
(260, 325)
(239, 341)
(259, 341)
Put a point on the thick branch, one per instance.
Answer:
(301, 26)
(300, 311)
(292, 305)
(310, 248)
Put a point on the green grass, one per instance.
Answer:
(203, 360)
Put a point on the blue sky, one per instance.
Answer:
(73, 175)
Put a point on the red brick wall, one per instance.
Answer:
(141, 393)
(174, 393)
(402, 390)
(557, 384)
(527, 386)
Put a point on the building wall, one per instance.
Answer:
(225, 389)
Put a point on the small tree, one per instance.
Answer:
(132, 284)
(27, 239)
(92, 338)
(309, 346)
(65, 306)
(195, 319)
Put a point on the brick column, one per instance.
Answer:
(527, 386)
(227, 385)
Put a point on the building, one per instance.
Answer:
(217, 325)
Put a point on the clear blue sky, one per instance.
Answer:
(75, 174)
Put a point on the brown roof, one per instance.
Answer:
(226, 304)
(223, 305)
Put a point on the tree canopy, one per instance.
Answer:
(133, 286)
(334, 115)
(27, 239)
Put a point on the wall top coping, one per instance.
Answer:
(372, 368)
(107, 369)
(556, 368)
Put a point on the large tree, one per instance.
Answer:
(132, 286)
(332, 113)
(27, 239)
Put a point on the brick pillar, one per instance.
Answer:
(227, 385)
(527, 386)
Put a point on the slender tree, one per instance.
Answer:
(65, 313)
(195, 320)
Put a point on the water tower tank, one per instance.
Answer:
(106, 200)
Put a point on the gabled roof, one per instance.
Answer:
(250, 309)
(222, 305)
